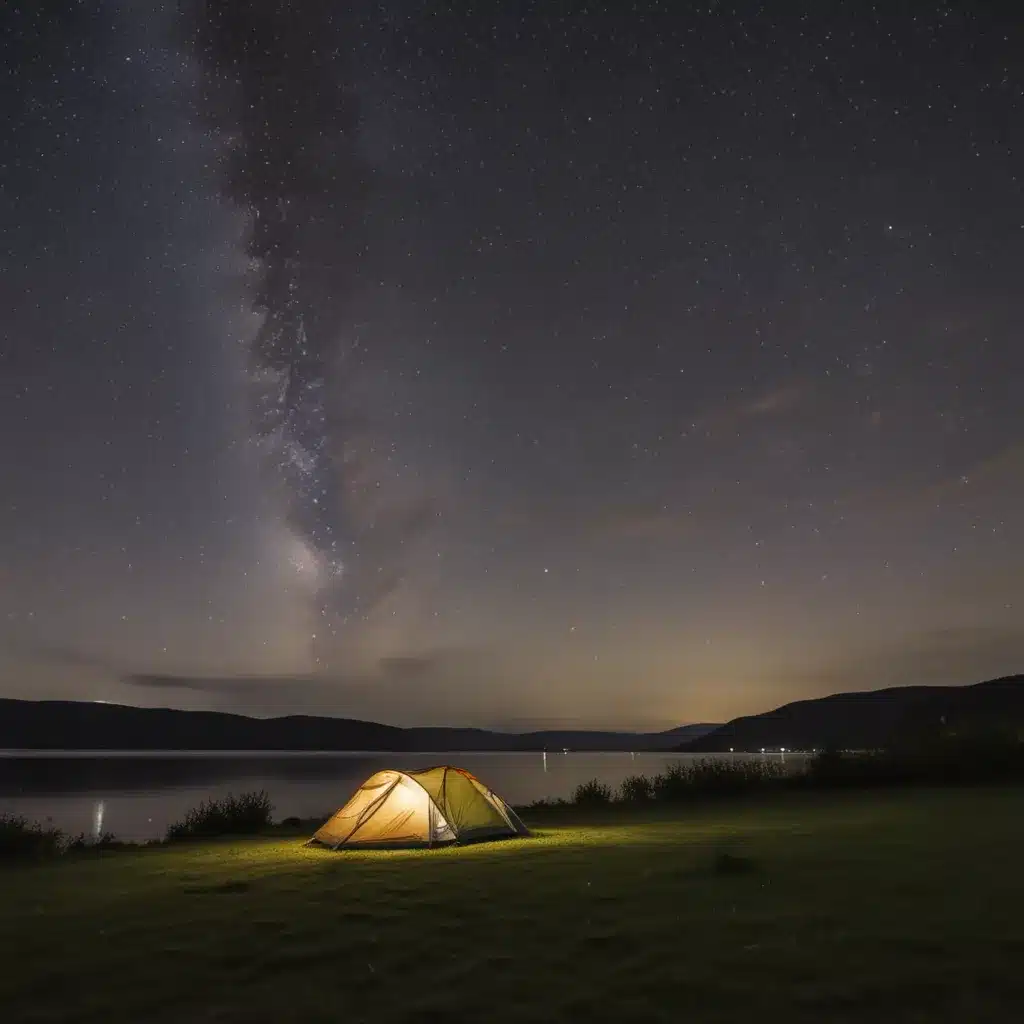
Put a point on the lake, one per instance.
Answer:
(136, 795)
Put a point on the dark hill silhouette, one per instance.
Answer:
(873, 719)
(74, 725)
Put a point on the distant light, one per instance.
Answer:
(762, 750)
(783, 749)
(730, 750)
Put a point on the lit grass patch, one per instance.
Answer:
(841, 908)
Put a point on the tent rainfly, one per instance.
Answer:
(431, 807)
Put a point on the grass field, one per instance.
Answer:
(880, 907)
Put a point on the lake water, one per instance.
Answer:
(136, 796)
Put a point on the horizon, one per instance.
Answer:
(649, 370)
(511, 729)
(539, 727)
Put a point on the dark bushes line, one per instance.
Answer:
(248, 814)
(945, 762)
(232, 816)
(21, 839)
(684, 781)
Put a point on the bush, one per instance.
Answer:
(939, 761)
(21, 839)
(637, 789)
(592, 794)
(542, 806)
(832, 769)
(966, 759)
(827, 764)
(247, 814)
(106, 841)
(709, 777)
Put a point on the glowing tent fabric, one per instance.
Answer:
(432, 807)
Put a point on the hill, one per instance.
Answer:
(873, 719)
(75, 725)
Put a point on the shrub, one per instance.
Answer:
(21, 839)
(709, 777)
(592, 794)
(106, 841)
(966, 759)
(831, 769)
(247, 814)
(938, 761)
(827, 764)
(542, 806)
(636, 789)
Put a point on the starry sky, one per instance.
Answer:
(668, 358)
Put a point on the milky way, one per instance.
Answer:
(276, 89)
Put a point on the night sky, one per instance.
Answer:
(668, 363)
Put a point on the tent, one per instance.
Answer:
(430, 807)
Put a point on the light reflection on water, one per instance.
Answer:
(136, 797)
(97, 818)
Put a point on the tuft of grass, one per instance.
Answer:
(21, 839)
(247, 814)
(593, 793)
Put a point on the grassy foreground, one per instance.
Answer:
(883, 907)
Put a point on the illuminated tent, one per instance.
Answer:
(431, 807)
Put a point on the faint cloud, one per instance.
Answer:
(406, 666)
(593, 521)
(390, 670)
(412, 689)
(637, 523)
(660, 519)
(236, 685)
(994, 477)
(992, 473)
(774, 403)
(58, 655)
(942, 656)
(1006, 463)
